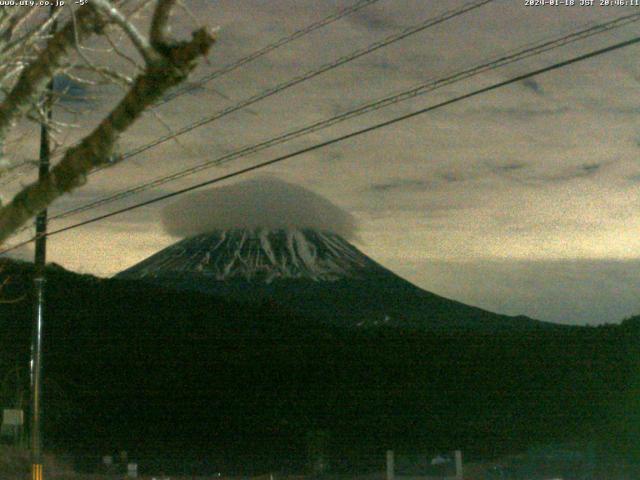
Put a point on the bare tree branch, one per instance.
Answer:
(119, 52)
(25, 39)
(120, 78)
(159, 23)
(175, 61)
(10, 23)
(37, 74)
(140, 42)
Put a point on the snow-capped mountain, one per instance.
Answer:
(258, 255)
(313, 273)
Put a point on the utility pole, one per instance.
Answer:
(39, 281)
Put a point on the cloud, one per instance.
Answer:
(264, 202)
(519, 173)
(532, 85)
(571, 173)
(400, 184)
(417, 185)
(525, 188)
(371, 19)
(508, 167)
(522, 112)
(71, 91)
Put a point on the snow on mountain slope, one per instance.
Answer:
(259, 255)
(313, 273)
(266, 240)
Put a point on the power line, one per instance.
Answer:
(239, 63)
(428, 23)
(393, 38)
(267, 49)
(367, 108)
(396, 37)
(342, 138)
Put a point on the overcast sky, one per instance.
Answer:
(521, 201)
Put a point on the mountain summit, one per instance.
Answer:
(258, 255)
(266, 240)
(313, 273)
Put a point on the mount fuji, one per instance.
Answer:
(313, 273)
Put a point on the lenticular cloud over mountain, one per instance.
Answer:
(266, 202)
(267, 240)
